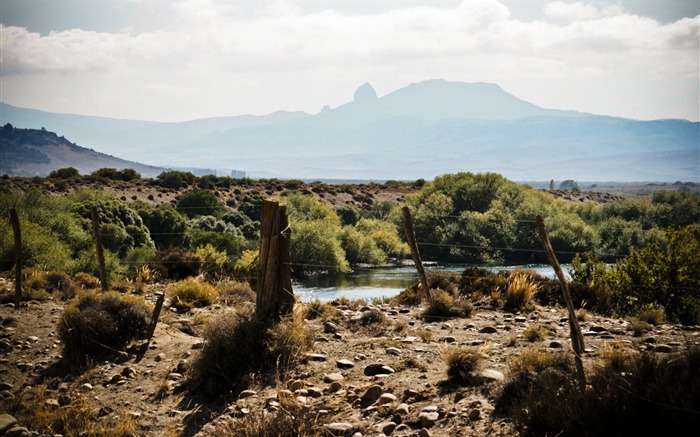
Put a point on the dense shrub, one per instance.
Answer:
(98, 324)
(653, 276)
(176, 264)
(631, 394)
(175, 179)
(237, 344)
(166, 225)
(199, 202)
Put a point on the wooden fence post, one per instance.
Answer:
(275, 296)
(156, 315)
(98, 248)
(411, 238)
(574, 328)
(14, 219)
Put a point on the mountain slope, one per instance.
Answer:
(30, 152)
(420, 131)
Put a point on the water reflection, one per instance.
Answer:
(386, 282)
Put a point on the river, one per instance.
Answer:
(370, 283)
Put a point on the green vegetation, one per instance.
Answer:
(653, 277)
(543, 396)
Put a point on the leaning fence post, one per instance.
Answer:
(98, 248)
(574, 328)
(14, 219)
(411, 238)
(156, 314)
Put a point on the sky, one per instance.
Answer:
(181, 60)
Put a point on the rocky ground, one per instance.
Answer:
(389, 379)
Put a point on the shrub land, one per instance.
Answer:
(631, 258)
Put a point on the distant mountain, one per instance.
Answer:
(420, 131)
(32, 152)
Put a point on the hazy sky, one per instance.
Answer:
(181, 60)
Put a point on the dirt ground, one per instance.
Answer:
(334, 382)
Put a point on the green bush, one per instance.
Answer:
(175, 179)
(199, 202)
(176, 263)
(98, 324)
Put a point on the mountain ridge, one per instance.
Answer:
(419, 131)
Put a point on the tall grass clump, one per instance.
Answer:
(630, 394)
(238, 344)
(520, 291)
(192, 292)
(462, 362)
(444, 305)
(99, 324)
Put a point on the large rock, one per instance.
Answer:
(378, 369)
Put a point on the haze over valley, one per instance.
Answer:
(421, 131)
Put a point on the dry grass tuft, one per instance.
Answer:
(192, 292)
(233, 292)
(520, 291)
(652, 316)
(98, 324)
(535, 333)
(462, 362)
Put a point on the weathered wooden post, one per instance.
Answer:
(275, 296)
(411, 239)
(98, 248)
(574, 328)
(156, 315)
(14, 219)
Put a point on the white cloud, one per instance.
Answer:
(214, 58)
(570, 11)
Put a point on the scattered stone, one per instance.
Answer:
(314, 392)
(334, 387)
(409, 339)
(650, 340)
(371, 395)
(330, 328)
(474, 415)
(428, 418)
(488, 330)
(86, 386)
(6, 422)
(402, 409)
(345, 364)
(597, 329)
(393, 351)
(198, 344)
(663, 348)
(448, 339)
(33, 338)
(5, 386)
(160, 357)
(316, 357)
(555, 344)
(378, 369)
(333, 377)
(492, 374)
(520, 319)
(128, 372)
(386, 398)
(387, 427)
(246, 394)
(424, 433)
